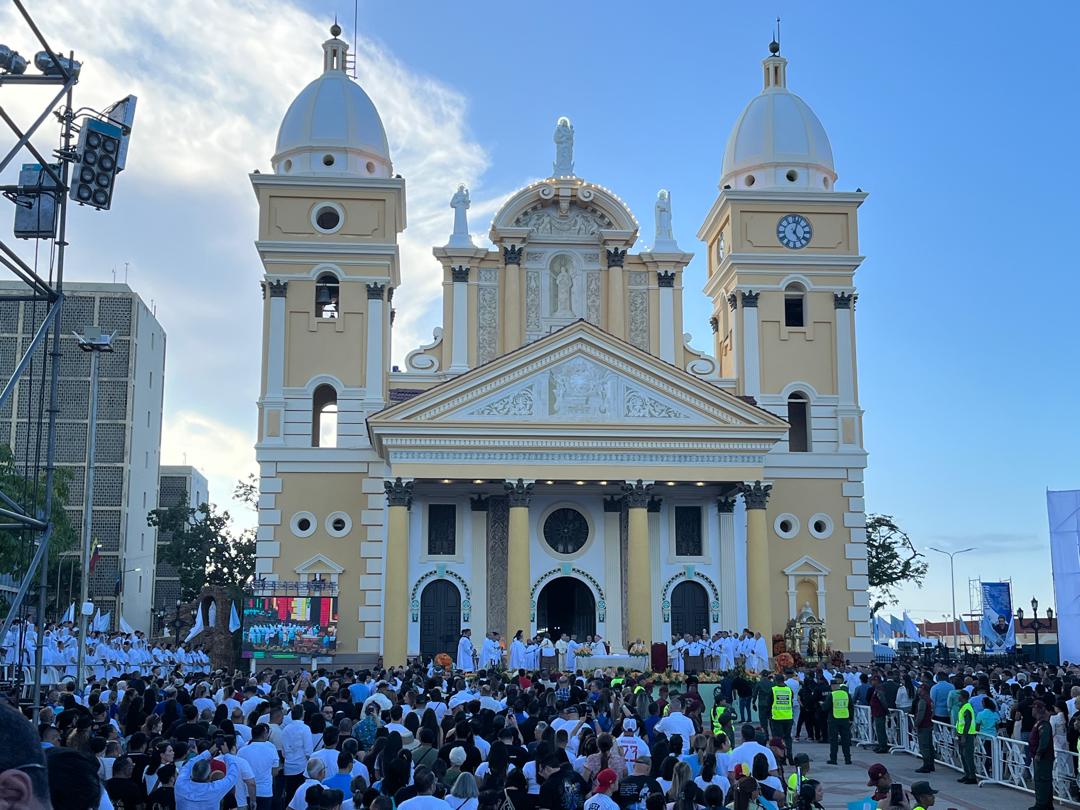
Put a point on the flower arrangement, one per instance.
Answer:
(444, 660)
(784, 660)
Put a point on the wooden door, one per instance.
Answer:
(689, 609)
(440, 619)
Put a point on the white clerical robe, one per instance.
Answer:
(761, 653)
(465, 650)
(517, 654)
(571, 654)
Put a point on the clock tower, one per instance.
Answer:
(782, 251)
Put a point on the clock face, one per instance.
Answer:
(794, 231)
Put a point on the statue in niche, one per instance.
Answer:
(562, 282)
(564, 149)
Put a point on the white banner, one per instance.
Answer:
(1064, 511)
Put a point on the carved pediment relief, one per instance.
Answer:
(576, 222)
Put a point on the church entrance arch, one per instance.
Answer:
(566, 605)
(689, 608)
(440, 619)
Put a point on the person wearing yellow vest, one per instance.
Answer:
(966, 729)
(723, 718)
(796, 779)
(838, 713)
(923, 795)
(781, 712)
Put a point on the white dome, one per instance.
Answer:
(778, 142)
(332, 128)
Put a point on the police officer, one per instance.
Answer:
(838, 711)
(924, 727)
(965, 732)
(781, 712)
(923, 795)
(723, 719)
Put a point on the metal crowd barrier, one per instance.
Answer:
(998, 760)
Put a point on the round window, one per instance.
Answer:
(328, 160)
(566, 531)
(338, 524)
(303, 524)
(370, 166)
(327, 218)
(786, 526)
(821, 526)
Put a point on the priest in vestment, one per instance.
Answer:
(466, 652)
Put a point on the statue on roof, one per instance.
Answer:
(460, 203)
(564, 149)
(665, 237)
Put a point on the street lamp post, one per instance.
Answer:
(1035, 624)
(92, 340)
(952, 585)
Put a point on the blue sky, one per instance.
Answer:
(961, 123)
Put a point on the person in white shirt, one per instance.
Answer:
(262, 756)
(297, 747)
(194, 790)
(424, 781)
(466, 652)
(744, 753)
(632, 745)
(605, 786)
(560, 646)
(315, 773)
(245, 785)
(676, 722)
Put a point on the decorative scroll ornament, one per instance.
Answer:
(519, 403)
(576, 223)
(399, 493)
(714, 324)
(756, 494)
(732, 301)
(420, 360)
(637, 494)
(518, 492)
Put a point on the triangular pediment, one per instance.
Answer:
(580, 376)
(319, 565)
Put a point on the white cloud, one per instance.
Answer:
(214, 78)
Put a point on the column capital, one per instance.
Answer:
(375, 291)
(732, 301)
(749, 298)
(665, 278)
(714, 324)
(479, 503)
(512, 254)
(755, 494)
(277, 289)
(399, 493)
(725, 504)
(612, 503)
(459, 273)
(518, 492)
(615, 257)
(637, 494)
(844, 300)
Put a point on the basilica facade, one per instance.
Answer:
(559, 457)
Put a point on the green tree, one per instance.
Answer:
(204, 546)
(892, 560)
(17, 545)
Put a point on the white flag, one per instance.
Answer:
(195, 628)
(101, 624)
(125, 627)
(211, 616)
(234, 619)
(69, 616)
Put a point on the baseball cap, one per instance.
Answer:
(629, 724)
(874, 773)
(606, 778)
(802, 759)
(922, 789)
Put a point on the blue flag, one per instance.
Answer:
(882, 628)
(964, 628)
(897, 625)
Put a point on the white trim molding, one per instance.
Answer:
(805, 568)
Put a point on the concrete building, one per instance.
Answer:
(174, 483)
(560, 458)
(130, 391)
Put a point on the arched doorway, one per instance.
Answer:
(440, 619)
(689, 608)
(566, 605)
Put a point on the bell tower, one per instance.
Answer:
(329, 218)
(782, 248)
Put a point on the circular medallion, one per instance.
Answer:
(566, 531)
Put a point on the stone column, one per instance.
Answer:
(751, 360)
(616, 292)
(459, 348)
(845, 357)
(638, 569)
(518, 574)
(396, 573)
(729, 607)
(758, 572)
(275, 347)
(373, 377)
(665, 280)
(513, 317)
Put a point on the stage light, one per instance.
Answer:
(11, 61)
(95, 172)
(122, 113)
(52, 67)
(35, 204)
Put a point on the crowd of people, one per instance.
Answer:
(107, 654)
(421, 738)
